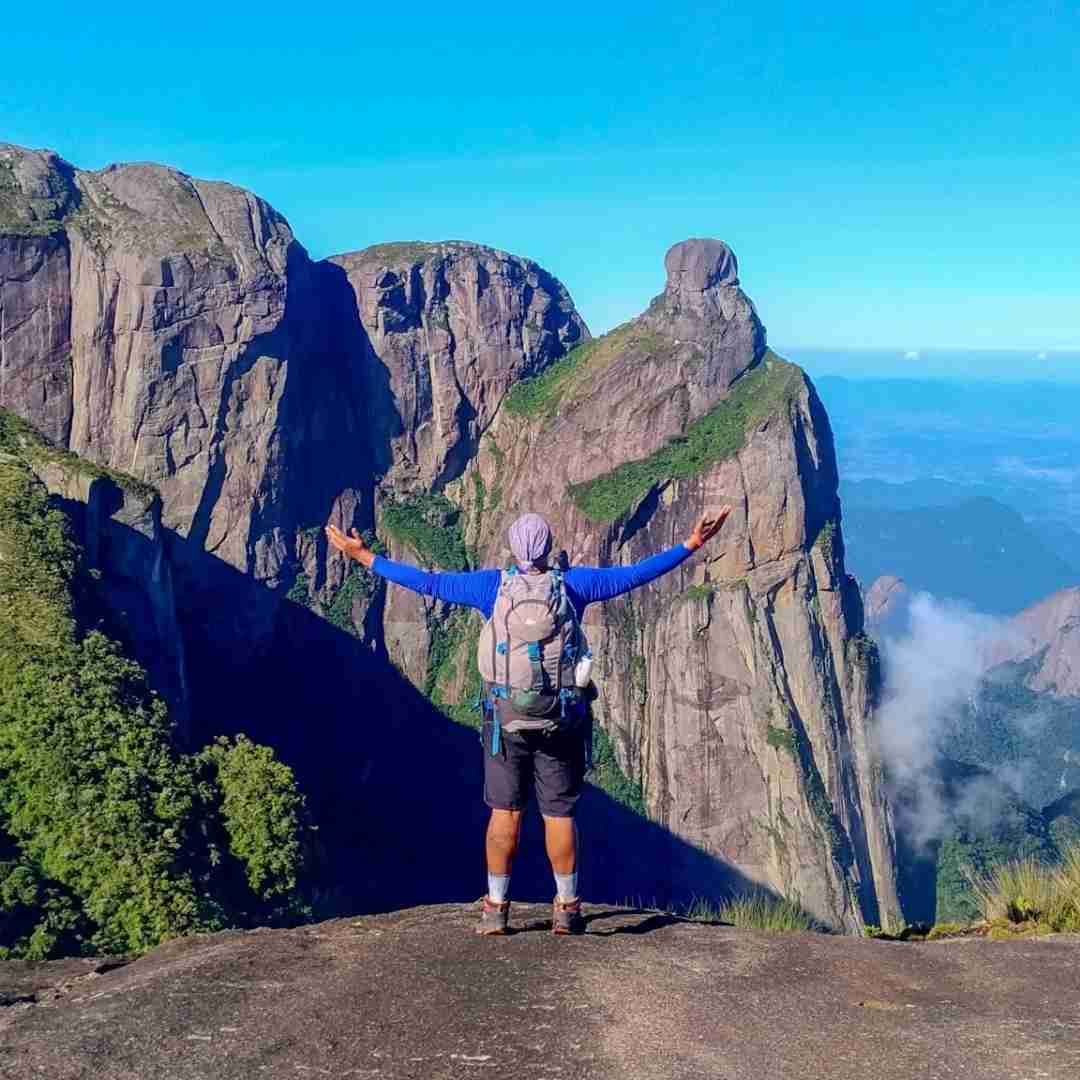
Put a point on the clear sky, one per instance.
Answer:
(888, 175)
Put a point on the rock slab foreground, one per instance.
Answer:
(642, 995)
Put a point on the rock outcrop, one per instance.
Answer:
(739, 689)
(174, 329)
(129, 588)
(1045, 639)
(885, 597)
(440, 333)
(641, 995)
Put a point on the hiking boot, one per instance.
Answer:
(494, 918)
(566, 917)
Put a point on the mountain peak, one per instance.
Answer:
(696, 265)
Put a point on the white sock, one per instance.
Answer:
(566, 886)
(498, 887)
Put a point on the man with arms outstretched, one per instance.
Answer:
(534, 659)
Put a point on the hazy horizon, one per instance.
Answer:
(937, 363)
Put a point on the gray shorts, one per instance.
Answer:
(552, 764)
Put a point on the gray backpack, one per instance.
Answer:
(528, 650)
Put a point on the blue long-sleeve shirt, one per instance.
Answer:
(584, 584)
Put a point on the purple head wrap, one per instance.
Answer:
(530, 540)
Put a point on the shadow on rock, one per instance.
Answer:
(394, 785)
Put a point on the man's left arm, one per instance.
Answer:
(595, 584)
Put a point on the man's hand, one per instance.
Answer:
(707, 528)
(351, 546)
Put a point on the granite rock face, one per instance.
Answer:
(738, 689)
(1046, 638)
(888, 606)
(36, 189)
(450, 327)
(174, 329)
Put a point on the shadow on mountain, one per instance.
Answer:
(394, 785)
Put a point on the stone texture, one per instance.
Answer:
(642, 996)
(263, 394)
(444, 330)
(36, 190)
(451, 327)
(1046, 638)
(738, 689)
(885, 600)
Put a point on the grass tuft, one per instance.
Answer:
(1018, 891)
(1026, 894)
(754, 911)
(717, 435)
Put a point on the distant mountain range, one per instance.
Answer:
(915, 444)
(974, 549)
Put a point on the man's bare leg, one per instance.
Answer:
(504, 828)
(560, 839)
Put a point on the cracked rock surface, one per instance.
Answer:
(642, 996)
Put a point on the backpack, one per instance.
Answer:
(528, 650)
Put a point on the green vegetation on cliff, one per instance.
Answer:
(453, 683)
(541, 396)
(22, 215)
(721, 432)
(19, 438)
(608, 775)
(110, 839)
(431, 525)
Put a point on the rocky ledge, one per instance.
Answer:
(642, 995)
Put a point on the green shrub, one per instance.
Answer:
(38, 919)
(431, 525)
(698, 592)
(299, 591)
(608, 775)
(109, 831)
(262, 811)
(358, 585)
(781, 739)
(721, 432)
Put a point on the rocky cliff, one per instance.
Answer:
(116, 522)
(175, 329)
(1045, 638)
(738, 690)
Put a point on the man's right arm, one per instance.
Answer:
(476, 588)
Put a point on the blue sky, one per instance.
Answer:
(892, 176)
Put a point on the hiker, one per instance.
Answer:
(535, 663)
